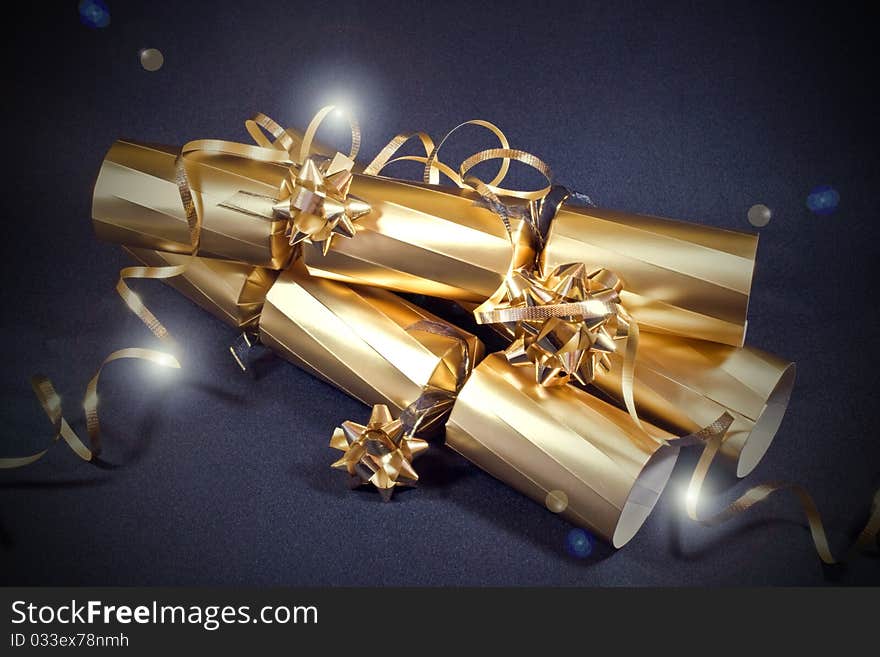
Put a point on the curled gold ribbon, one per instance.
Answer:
(314, 195)
(312, 130)
(385, 155)
(133, 301)
(492, 191)
(867, 539)
(51, 403)
(457, 177)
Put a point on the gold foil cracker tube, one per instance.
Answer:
(367, 342)
(561, 440)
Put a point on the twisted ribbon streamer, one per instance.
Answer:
(51, 403)
(133, 301)
(385, 155)
(712, 440)
(45, 391)
(492, 191)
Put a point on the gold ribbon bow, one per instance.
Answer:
(314, 195)
(564, 323)
(380, 453)
(314, 199)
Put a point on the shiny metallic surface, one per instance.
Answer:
(538, 440)
(365, 341)
(233, 292)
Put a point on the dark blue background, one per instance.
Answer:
(672, 108)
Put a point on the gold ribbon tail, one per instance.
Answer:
(133, 301)
(51, 403)
(712, 437)
(867, 539)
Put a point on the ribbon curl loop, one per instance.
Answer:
(866, 541)
(51, 404)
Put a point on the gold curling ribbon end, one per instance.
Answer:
(51, 403)
(45, 391)
(866, 541)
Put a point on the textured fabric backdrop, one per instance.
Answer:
(669, 108)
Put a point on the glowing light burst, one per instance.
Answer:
(167, 360)
(691, 498)
(579, 543)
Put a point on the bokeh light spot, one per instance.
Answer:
(94, 13)
(759, 215)
(556, 501)
(579, 543)
(823, 200)
(152, 59)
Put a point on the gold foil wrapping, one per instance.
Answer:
(425, 239)
(684, 385)
(232, 291)
(560, 442)
(364, 341)
(679, 278)
(137, 202)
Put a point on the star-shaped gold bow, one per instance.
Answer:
(379, 453)
(314, 199)
(564, 324)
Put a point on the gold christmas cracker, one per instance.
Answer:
(442, 241)
(563, 443)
